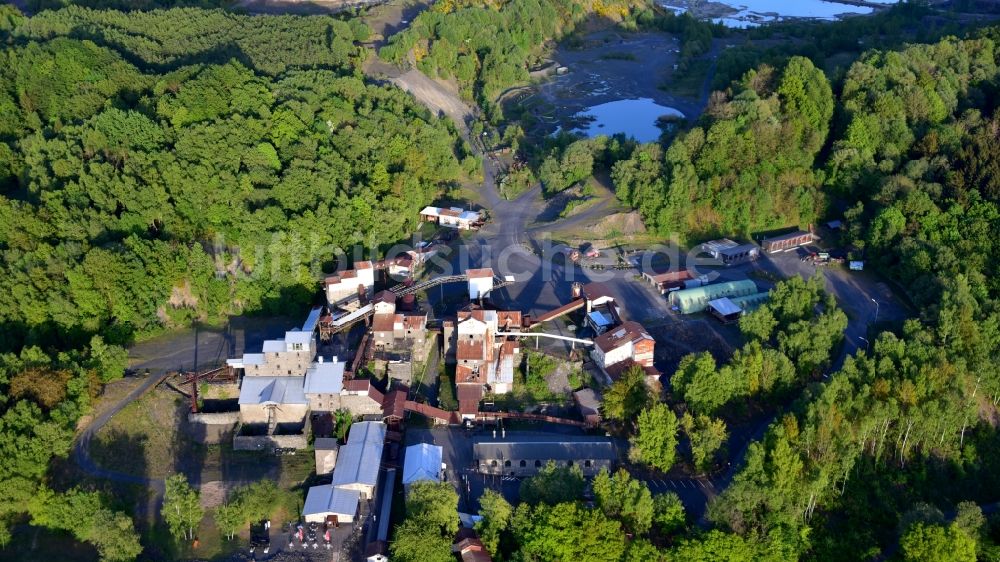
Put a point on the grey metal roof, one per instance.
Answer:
(367, 432)
(295, 336)
(358, 463)
(503, 372)
(545, 450)
(272, 390)
(329, 500)
(386, 511)
(312, 320)
(741, 249)
(325, 444)
(273, 346)
(724, 306)
(719, 245)
(422, 462)
(247, 359)
(325, 378)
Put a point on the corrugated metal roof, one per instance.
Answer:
(470, 350)
(367, 432)
(358, 463)
(724, 306)
(272, 390)
(247, 359)
(330, 500)
(789, 236)
(741, 249)
(599, 318)
(422, 462)
(383, 322)
(312, 320)
(386, 511)
(325, 378)
(504, 372)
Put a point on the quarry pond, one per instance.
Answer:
(609, 82)
(640, 119)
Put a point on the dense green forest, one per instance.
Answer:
(890, 450)
(183, 188)
(748, 167)
(159, 167)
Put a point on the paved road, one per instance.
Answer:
(198, 348)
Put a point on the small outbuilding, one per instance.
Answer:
(589, 404)
(599, 321)
(730, 252)
(787, 241)
(665, 282)
(725, 310)
(455, 217)
(480, 282)
(421, 462)
(326, 454)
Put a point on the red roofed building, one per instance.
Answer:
(469, 396)
(481, 355)
(469, 548)
(628, 342)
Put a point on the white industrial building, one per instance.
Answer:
(480, 283)
(354, 476)
(343, 289)
(455, 217)
(422, 462)
(358, 460)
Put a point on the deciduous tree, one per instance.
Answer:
(655, 443)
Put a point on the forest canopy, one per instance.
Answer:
(136, 198)
(748, 166)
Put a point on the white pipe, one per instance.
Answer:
(544, 335)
